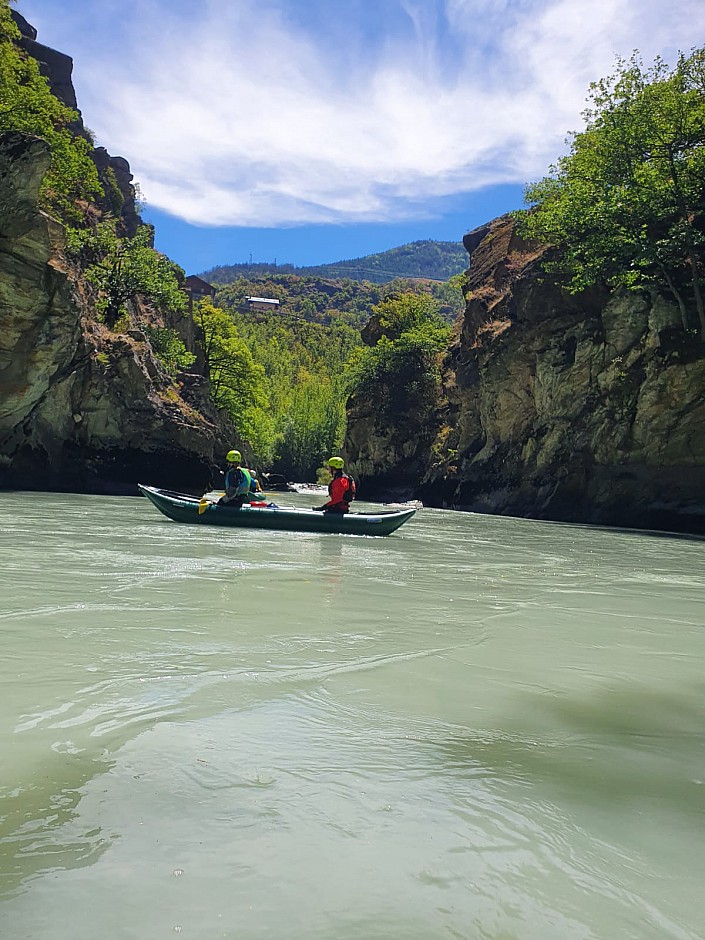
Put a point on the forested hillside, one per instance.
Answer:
(429, 260)
(308, 354)
(286, 380)
(327, 301)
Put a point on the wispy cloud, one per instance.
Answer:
(281, 112)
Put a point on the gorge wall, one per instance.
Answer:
(82, 408)
(583, 408)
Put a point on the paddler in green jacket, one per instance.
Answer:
(238, 481)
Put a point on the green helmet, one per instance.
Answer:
(336, 462)
(233, 456)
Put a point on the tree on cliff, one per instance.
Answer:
(399, 367)
(27, 104)
(237, 382)
(627, 203)
(122, 268)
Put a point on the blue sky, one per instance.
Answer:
(309, 131)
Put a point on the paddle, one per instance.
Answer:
(204, 504)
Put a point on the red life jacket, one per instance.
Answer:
(351, 491)
(341, 488)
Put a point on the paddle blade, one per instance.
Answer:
(202, 506)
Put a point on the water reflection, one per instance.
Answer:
(616, 763)
(330, 563)
(41, 827)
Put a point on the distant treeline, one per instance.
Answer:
(429, 260)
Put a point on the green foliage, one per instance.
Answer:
(169, 348)
(304, 365)
(122, 268)
(342, 301)
(429, 260)
(312, 424)
(27, 104)
(237, 382)
(310, 367)
(304, 298)
(450, 297)
(114, 194)
(627, 203)
(408, 314)
(122, 324)
(401, 368)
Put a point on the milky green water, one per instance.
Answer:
(476, 728)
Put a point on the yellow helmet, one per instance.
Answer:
(336, 462)
(233, 456)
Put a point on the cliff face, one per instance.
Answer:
(391, 435)
(81, 408)
(585, 408)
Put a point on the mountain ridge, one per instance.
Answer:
(425, 259)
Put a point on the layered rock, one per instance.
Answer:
(56, 67)
(80, 407)
(583, 408)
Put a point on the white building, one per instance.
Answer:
(262, 303)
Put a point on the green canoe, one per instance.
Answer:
(183, 508)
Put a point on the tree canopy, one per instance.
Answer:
(401, 367)
(237, 382)
(627, 203)
(322, 300)
(121, 268)
(304, 367)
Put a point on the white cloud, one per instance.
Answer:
(245, 116)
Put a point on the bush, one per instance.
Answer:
(169, 348)
(401, 368)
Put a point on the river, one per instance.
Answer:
(479, 727)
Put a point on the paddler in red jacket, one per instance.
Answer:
(341, 488)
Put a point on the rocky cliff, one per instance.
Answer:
(81, 408)
(583, 408)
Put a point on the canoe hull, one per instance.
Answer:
(184, 508)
